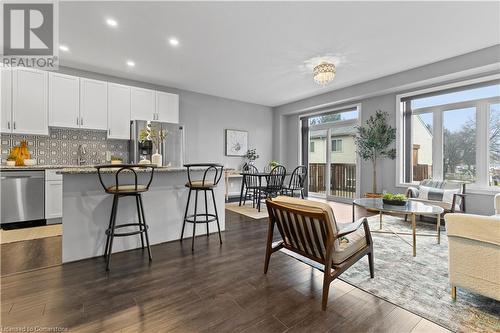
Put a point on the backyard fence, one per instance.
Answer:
(342, 179)
(421, 172)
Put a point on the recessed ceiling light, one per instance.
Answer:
(63, 48)
(111, 22)
(130, 63)
(173, 41)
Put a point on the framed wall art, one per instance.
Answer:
(236, 142)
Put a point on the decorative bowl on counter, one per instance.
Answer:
(394, 199)
(30, 161)
(11, 163)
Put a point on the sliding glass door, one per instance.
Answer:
(332, 155)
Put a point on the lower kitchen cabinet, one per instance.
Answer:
(53, 195)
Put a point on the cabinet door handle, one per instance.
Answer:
(14, 125)
(109, 131)
(81, 121)
(77, 121)
(8, 124)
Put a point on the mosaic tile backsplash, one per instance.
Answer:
(61, 145)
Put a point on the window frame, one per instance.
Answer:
(481, 185)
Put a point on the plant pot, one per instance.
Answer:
(116, 162)
(394, 202)
(11, 163)
(156, 159)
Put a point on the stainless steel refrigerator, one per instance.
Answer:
(172, 149)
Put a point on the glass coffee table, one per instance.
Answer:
(412, 208)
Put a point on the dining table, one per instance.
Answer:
(260, 176)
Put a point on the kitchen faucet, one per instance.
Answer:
(81, 155)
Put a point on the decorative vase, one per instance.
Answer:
(156, 159)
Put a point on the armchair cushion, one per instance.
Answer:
(439, 195)
(355, 242)
(308, 205)
(474, 227)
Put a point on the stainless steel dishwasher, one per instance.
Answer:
(23, 196)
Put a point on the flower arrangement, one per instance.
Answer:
(251, 155)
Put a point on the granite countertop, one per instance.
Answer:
(88, 169)
(92, 170)
(36, 167)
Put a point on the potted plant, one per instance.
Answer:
(395, 199)
(116, 160)
(273, 164)
(251, 155)
(373, 141)
(157, 136)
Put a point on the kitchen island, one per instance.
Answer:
(86, 210)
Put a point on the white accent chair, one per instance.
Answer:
(474, 252)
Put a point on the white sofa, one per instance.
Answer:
(474, 252)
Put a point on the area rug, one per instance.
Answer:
(248, 210)
(420, 285)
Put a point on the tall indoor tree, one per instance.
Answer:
(374, 140)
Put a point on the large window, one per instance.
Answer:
(452, 135)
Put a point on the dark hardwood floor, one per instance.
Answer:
(215, 289)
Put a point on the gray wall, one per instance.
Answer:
(381, 94)
(206, 117)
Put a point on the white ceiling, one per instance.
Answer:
(258, 52)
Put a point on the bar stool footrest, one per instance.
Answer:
(123, 234)
(202, 218)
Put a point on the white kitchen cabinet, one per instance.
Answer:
(142, 104)
(167, 107)
(118, 111)
(64, 100)
(93, 104)
(53, 195)
(29, 102)
(6, 100)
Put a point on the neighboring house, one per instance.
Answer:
(343, 149)
(422, 143)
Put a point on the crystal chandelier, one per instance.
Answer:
(324, 73)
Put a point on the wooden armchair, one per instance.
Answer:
(308, 228)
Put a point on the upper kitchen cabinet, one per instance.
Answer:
(93, 104)
(29, 101)
(118, 111)
(6, 100)
(142, 104)
(64, 100)
(167, 107)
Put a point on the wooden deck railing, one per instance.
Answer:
(342, 179)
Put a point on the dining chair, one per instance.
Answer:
(296, 183)
(273, 186)
(251, 184)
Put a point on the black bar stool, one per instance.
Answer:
(207, 184)
(123, 190)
